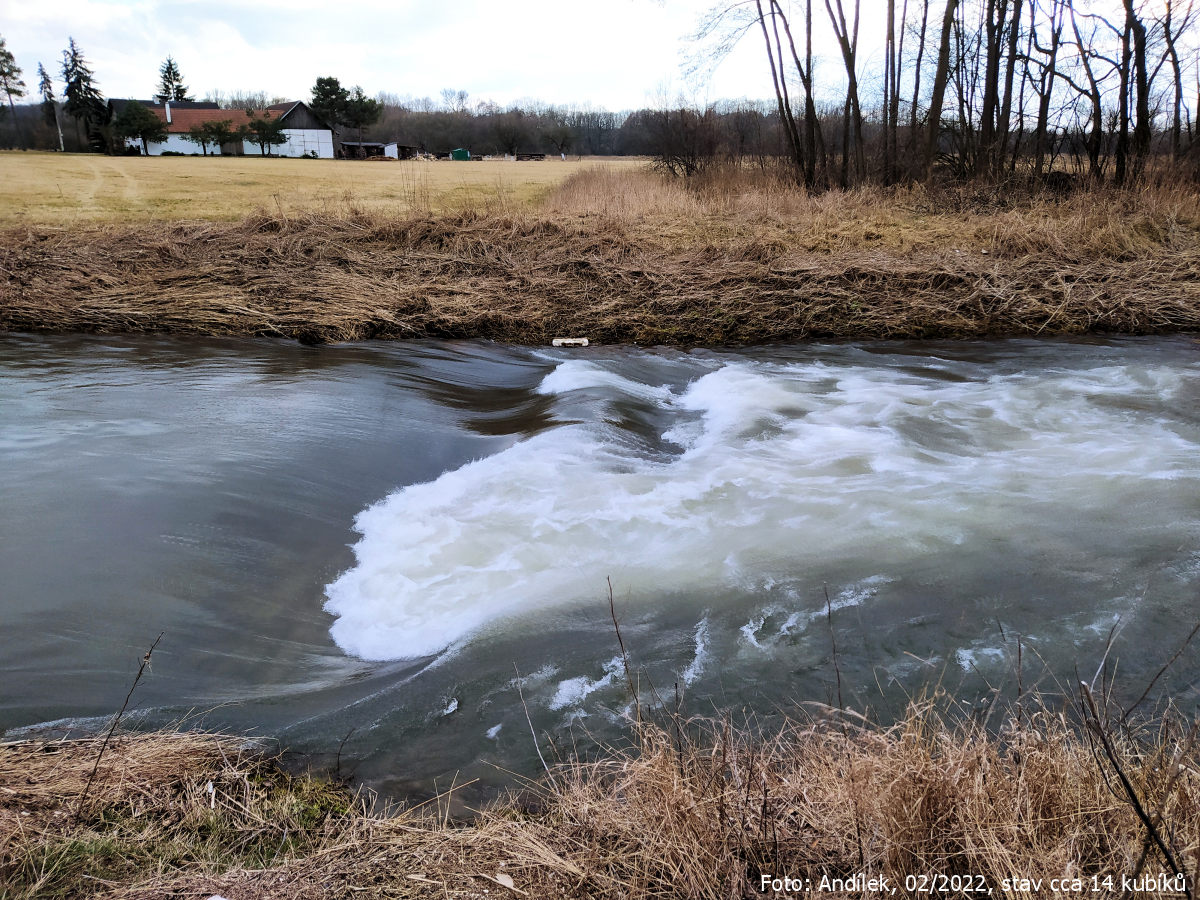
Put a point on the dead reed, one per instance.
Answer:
(158, 803)
(705, 812)
(630, 257)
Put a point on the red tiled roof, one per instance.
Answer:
(182, 120)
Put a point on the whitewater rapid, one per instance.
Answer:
(758, 475)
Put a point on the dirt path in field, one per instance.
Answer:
(97, 182)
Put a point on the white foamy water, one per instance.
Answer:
(759, 472)
(573, 692)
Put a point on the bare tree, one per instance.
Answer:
(847, 38)
(940, 78)
(1171, 29)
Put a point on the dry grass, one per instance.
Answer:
(626, 256)
(150, 811)
(1000, 221)
(693, 810)
(52, 189)
(673, 269)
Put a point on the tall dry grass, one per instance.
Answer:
(1006, 221)
(634, 257)
(688, 810)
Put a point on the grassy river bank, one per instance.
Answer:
(689, 809)
(622, 255)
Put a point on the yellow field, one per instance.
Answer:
(61, 189)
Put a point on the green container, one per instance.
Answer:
(460, 153)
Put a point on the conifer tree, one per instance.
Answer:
(46, 90)
(49, 106)
(361, 111)
(84, 101)
(10, 79)
(329, 101)
(170, 85)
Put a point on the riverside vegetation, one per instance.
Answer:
(697, 809)
(731, 256)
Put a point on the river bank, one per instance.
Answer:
(627, 257)
(690, 809)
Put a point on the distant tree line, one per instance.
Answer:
(966, 89)
(969, 89)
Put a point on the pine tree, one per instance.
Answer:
(170, 85)
(49, 107)
(46, 89)
(362, 111)
(83, 98)
(329, 101)
(10, 79)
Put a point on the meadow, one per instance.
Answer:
(53, 189)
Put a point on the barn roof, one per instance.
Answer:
(119, 104)
(182, 120)
(186, 115)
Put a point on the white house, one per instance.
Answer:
(306, 134)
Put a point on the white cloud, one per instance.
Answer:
(614, 54)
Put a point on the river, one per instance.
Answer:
(402, 551)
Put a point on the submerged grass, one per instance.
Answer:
(696, 809)
(628, 256)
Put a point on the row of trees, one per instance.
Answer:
(980, 88)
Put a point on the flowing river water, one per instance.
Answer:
(401, 551)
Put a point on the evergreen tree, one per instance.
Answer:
(46, 90)
(84, 101)
(137, 121)
(362, 111)
(10, 78)
(170, 85)
(49, 106)
(329, 101)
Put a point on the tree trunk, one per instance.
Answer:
(889, 90)
(941, 76)
(778, 80)
(812, 128)
(1096, 136)
(1122, 171)
(1046, 88)
(852, 131)
(1176, 83)
(912, 113)
(1141, 80)
(1005, 123)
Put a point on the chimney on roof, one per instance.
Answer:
(167, 104)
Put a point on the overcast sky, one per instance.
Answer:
(617, 54)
